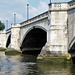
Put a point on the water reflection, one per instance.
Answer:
(54, 69)
(26, 65)
(73, 69)
(21, 58)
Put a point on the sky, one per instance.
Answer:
(19, 7)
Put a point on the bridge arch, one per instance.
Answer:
(8, 41)
(35, 37)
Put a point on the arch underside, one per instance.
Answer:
(34, 41)
(8, 41)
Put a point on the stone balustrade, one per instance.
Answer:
(34, 19)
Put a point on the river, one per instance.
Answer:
(26, 65)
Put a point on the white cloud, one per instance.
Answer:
(21, 0)
(3, 18)
(33, 11)
(42, 7)
(60, 0)
(19, 16)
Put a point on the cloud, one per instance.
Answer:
(60, 0)
(21, 1)
(4, 18)
(41, 7)
(32, 11)
(19, 16)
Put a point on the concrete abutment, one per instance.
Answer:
(15, 36)
(3, 39)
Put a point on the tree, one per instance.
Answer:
(73, 0)
(2, 26)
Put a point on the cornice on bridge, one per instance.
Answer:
(62, 6)
(8, 30)
(35, 19)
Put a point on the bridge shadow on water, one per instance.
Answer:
(28, 58)
(32, 51)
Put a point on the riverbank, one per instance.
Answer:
(54, 60)
(2, 49)
(9, 51)
(12, 52)
(40, 58)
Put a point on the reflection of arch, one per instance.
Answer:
(30, 30)
(8, 41)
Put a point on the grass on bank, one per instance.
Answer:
(12, 52)
(2, 49)
(53, 60)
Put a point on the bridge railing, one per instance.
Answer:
(8, 30)
(36, 18)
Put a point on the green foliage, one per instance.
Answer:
(2, 26)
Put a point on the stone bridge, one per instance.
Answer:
(50, 32)
(71, 30)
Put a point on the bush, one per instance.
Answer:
(2, 26)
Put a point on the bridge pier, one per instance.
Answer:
(2, 39)
(71, 30)
(45, 50)
(58, 29)
(15, 36)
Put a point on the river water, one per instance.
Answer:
(26, 65)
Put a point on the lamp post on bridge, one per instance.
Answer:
(50, 1)
(6, 24)
(27, 11)
(14, 18)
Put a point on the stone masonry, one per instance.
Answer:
(54, 22)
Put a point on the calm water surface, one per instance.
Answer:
(26, 65)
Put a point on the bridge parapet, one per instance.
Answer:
(2, 32)
(8, 30)
(16, 25)
(59, 6)
(35, 19)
